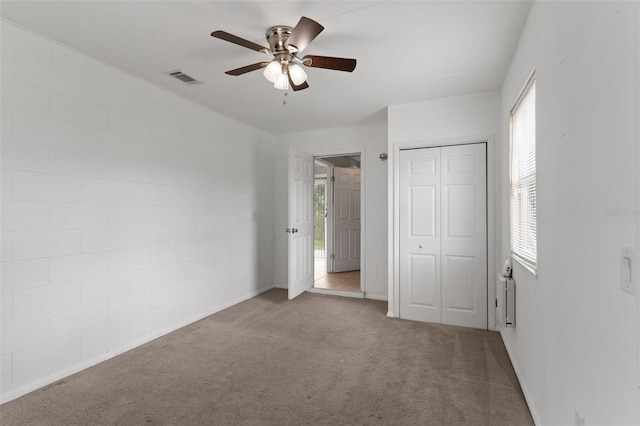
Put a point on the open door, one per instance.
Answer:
(301, 176)
(346, 219)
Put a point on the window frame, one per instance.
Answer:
(529, 263)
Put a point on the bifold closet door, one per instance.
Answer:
(463, 187)
(420, 271)
(443, 235)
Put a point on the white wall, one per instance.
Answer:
(439, 119)
(460, 119)
(127, 212)
(637, 279)
(373, 138)
(575, 340)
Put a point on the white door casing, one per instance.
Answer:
(443, 235)
(300, 231)
(346, 219)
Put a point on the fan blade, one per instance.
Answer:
(304, 32)
(223, 35)
(247, 68)
(330, 63)
(296, 88)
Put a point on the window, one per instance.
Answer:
(522, 217)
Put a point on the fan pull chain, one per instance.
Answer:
(284, 101)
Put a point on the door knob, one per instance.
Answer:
(420, 246)
(294, 230)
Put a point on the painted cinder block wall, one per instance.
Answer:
(127, 211)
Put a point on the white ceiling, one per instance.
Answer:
(407, 51)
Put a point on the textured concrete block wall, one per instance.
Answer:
(127, 211)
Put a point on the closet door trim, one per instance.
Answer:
(493, 232)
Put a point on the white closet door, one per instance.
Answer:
(443, 235)
(464, 235)
(420, 297)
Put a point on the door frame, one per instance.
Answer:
(325, 152)
(394, 217)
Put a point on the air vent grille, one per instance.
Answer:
(183, 77)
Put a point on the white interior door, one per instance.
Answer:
(420, 235)
(443, 235)
(346, 224)
(464, 235)
(301, 176)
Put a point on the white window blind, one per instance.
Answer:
(522, 218)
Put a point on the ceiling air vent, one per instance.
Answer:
(183, 77)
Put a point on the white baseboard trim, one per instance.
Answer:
(354, 294)
(523, 386)
(382, 297)
(54, 376)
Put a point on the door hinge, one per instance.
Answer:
(333, 256)
(333, 178)
(496, 302)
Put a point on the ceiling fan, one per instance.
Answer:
(285, 43)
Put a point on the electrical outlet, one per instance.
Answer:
(579, 419)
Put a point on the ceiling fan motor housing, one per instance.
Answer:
(277, 36)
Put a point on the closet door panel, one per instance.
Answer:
(464, 236)
(420, 264)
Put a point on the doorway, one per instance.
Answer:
(337, 225)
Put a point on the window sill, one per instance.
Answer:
(532, 269)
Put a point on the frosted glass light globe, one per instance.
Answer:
(282, 82)
(273, 71)
(297, 74)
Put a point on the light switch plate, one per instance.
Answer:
(628, 270)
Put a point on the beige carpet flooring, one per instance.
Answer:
(316, 360)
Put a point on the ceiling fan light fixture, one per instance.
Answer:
(273, 71)
(297, 74)
(285, 43)
(282, 82)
